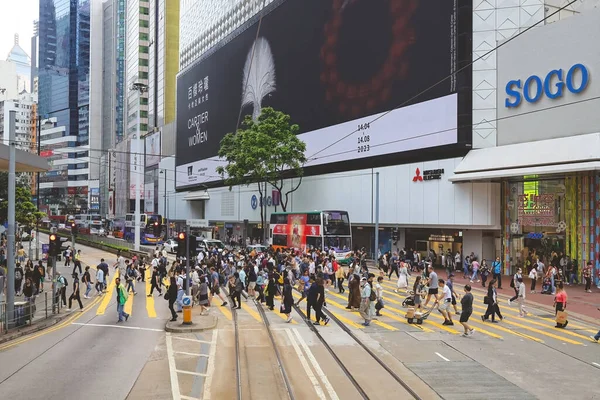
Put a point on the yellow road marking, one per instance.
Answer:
(542, 332)
(251, 312)
(477, 324)
(150, 309)
(61, 325)
(129, 304)
(404, 321)
(282, 316)
(338, 316)
(106, 297)
(226, 311)
(376, 322)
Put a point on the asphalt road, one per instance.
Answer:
(91, 356)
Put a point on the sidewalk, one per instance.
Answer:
(578, 301)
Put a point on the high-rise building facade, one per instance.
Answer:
(66, 36)
(19, 57)
(33, 84)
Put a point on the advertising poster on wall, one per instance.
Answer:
(136, 169)
(149, 197)
(152, 143)
(94, 199)
(351, 74)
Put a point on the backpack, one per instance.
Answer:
(65, 281)
(18, 274)
(373, 295)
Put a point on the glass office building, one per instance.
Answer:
(64, 94)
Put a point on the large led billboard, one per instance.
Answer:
(358, 76)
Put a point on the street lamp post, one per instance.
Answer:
(165, 202)
(140, 88)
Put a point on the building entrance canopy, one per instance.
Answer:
(545, 157)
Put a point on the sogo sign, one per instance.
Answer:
(552, 86)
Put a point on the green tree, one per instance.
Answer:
(26, 212)
(265, 150)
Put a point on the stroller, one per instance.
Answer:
(546, 286)
(409, 301)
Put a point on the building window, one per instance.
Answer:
(144, 49)
(143, 75)
(143, 127)
(143, 62)
(144, 23)
(144, 10)
(143, 114)
(144, 101)
(143, 36)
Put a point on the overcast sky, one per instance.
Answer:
(17, 16)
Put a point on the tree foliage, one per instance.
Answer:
(264, 150)
(26, 212)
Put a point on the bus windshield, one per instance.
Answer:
(338, 243)
(336, 223)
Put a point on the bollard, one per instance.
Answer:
(187, 310)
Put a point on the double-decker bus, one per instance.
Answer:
(152, 228)
(324, 230)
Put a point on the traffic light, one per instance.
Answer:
(54, 248)
(181, 244)
(192, 243)
(156, 229)
(73, 228)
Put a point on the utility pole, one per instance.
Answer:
(10, 247)
(376, 215)
(37, 186)
(140, 88)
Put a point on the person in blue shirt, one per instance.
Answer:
(497, 271)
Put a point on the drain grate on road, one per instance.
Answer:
(465, 380)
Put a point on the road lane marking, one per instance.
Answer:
(210, 369)
(129, 304)
(309, 373)
(540, 332)
(330, 390)
(185, 353)
(150, 308)
(172, 374)
(224, 310)
(180, 371)
(60, 325)
(251, 312)
(441, 356)
(340, 317)
(106, 297)
(137, 328)
(192, 340)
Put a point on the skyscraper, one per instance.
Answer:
(65, 39)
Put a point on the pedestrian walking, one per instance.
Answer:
(521, 299)
(379, 293)
(533, 275)
(318, 301)
(417, 292)
(215, 285)
(77, 261)
(497, 272)
(587, 277)
(432, 282)
(340, 275)
(366, 294)
(203, 301)
(288, 300)
(450, 284)
(18, 278)
(171, 297)
(444, 300)
(492, 302)
(403, 277)
(155, 282)
(560, 304)
(130, 275)
(86, 279)
(467, 309)
(484, 272)
(121, 300)
(67, 256)
(75, 294)
(596, 337)
(475, 269)
(61, 289)
(514, 283)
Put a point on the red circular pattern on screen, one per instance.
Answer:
(357, 98)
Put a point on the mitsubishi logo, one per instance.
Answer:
(418, 177)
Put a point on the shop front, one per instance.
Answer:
(547, 157)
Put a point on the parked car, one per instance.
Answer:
(171, 246)
(205, 244)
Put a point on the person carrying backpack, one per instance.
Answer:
(497, 272)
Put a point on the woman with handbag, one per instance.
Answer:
(560, 305)
(492, 302)
(288, 300)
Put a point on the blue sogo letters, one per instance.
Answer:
(533, 88)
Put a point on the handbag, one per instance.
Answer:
(282, 308)
(486, 300)
(166, 296)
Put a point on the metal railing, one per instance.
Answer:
(27, 311)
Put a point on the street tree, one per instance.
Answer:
(26, 212)
(265, 150)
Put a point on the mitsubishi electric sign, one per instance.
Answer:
(546, 85)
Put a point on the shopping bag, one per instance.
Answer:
(561, 317)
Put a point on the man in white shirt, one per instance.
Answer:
(444, 300)
(120, 265)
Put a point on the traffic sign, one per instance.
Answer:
(197, 223)
(186, 300)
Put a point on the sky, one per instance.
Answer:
(17, 16)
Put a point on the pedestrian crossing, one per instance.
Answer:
(536, 327)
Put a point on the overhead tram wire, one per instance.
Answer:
(447, 77)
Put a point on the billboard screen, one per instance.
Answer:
(337, 67)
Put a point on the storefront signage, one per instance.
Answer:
(552, 86)
(255, 201)
(428, 175)
(537, 210)
(441, 238)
